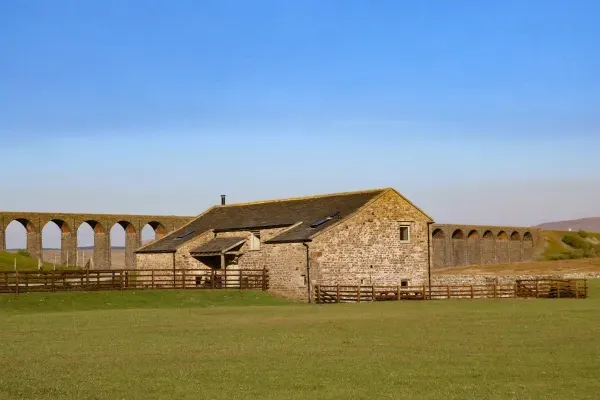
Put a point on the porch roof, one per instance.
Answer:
(218, 246)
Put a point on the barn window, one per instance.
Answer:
(404, 233)
(404, 283)
(255, 240)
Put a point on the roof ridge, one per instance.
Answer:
(316, 196)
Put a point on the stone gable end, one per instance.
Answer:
(366, 248)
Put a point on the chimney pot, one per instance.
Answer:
(222, 199)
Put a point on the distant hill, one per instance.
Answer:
(591, 224)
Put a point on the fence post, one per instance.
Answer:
(152, 278)
(53, 289)
(26, 282)
(372, 292)
(318, 293)
(240, 278)
(515, 290)
(87, 278)
(558, 290)
(398, 292)
(448, 291)
(16, 282)
(121, 279)
(537, 289)
(338, 293)
(495, 291)
(183, 278)
(472, 291)
(264, 279)
(358, 294)
(212, 278)
(576, 290)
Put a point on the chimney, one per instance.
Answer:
(222, 199)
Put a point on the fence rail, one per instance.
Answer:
(534, 288)
(124, 279)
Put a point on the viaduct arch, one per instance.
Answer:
(461, 245)
(101, 224)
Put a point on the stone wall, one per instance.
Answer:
(444, 280)
(286, 262)
(145, 261)
(366, 248)
(459, 245)
(34, 223)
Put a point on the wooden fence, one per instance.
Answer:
(534, 288)
(124, 279)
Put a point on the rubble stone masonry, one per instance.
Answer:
(367, 249)
(286, 262)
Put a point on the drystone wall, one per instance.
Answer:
(444, 280)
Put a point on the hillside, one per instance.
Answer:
(565, 245)
(591, 224)
(24, 262)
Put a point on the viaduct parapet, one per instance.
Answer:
(101, 224)
(459, 245)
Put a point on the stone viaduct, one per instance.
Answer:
(452, 245)
(457, 245)
(101, 224)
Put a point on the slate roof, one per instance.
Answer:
(301, 212)
(217, 245)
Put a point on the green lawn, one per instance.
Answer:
(196, 345)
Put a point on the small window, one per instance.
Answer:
(404, 234)
(404, 283)
(255, 241)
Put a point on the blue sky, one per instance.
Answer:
(480, 112)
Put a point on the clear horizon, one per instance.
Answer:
(479, 113)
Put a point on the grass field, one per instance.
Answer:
(234, 345)
(24, 263)
(7, 260)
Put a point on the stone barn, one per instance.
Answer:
(373, 237)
